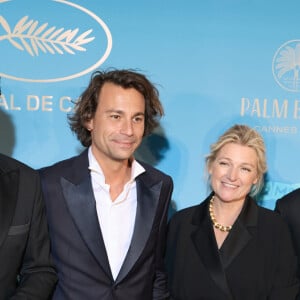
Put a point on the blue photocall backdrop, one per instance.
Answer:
(215, 63)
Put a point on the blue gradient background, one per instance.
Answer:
(204, 56)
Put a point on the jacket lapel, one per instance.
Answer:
(79, 197)
(206, 245)
(240, 235)
(9, 183)
(148, 195)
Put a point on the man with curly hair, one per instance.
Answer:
(107, 212)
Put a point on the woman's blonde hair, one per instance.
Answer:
(246, 136)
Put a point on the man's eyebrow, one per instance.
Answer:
(118, 111)
(114, 111)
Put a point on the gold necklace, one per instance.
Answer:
(213, 218)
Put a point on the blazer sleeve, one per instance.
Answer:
(37, 274)
(288, 207)
(160, 289)
(285, 283)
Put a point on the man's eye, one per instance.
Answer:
(115, 117)
(138, 119)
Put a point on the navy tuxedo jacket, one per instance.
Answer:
(256, 261)
(26, 270)
(289, 208)
(77, 244)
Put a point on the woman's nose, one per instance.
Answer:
(232, 173)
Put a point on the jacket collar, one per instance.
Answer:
(79, 197)
(241, 232)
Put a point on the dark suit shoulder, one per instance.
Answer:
(267, 213)
(60, 164)
(8, 163)
(69, 167)
(292, 198)
(184, 216)
(288, 207)
(154, 171)
(192, 214)
(153, 176)
(271, 221)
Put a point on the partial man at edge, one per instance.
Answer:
(27, 271)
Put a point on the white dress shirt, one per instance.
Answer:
(116, 218)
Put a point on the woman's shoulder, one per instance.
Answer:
(271, 219)
(188, 214)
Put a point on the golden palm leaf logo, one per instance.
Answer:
(28, 35)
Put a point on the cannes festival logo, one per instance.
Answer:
(30, 36)
(286, 66)
(35, 38)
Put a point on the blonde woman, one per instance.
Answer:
(228, 247)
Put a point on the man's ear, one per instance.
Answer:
(89, 125)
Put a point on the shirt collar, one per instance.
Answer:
(136, 167)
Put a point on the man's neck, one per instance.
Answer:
(116, 174)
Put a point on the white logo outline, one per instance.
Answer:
(286, 66)
(82, 38)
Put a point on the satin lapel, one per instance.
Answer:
(82, 207)
(147, 201)
(9, 184)
(234, 244)
(240, 235)
(206, 245)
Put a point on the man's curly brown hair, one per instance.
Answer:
(87, 103)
